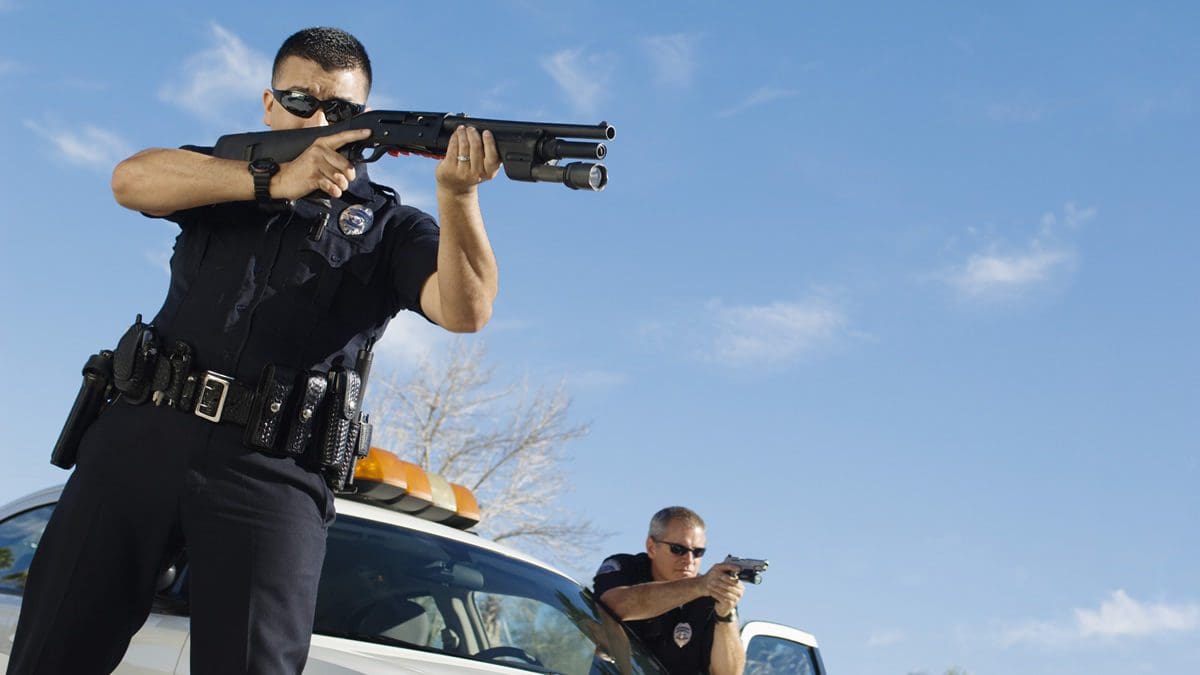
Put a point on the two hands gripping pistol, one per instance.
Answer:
(749, 569)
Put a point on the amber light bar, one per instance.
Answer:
(383, 479)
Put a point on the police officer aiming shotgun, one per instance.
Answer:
(224, 425)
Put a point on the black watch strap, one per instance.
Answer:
(262, 169)
(728, 618)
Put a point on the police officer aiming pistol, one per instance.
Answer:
(688, 619)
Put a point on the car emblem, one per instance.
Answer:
(683, 634)
(356, 219)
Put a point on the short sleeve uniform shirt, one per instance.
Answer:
(304, 287)
(682, 637)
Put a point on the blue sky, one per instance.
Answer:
(902, 296)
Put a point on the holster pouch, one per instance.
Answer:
(272, 400)
(92, 398)
(170, 376)
(311, 389)
(134, 361)
(337, 454)
(360, 445)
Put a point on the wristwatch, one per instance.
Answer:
(262, 169)
(727, 618)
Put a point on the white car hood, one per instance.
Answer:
(336, 656)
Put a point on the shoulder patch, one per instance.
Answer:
(608, 566)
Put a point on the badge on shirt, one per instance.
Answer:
(356, 219)
(683, 633)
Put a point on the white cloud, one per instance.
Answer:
(1000, 272)
(88, 146)
(778, 333)
(8, 67)
(582, 77)
(409, 338)
(1119, 616)
(883, 638)
(761, 96)
(160, 259)
(672, 57)
(227, 73)
(991, 273)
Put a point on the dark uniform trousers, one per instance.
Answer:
(147, 479)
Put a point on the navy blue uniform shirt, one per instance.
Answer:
(251, 287)
(682, 637)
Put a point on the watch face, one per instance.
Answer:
(264, 165)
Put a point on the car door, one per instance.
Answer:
(156, 648)
(774, 649)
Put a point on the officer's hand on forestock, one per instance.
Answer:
(320, 167)
(721, 583)
(471, 158)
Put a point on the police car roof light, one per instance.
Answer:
(383, 479)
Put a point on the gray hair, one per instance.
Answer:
(663, 519)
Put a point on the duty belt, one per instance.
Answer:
(284, 400)
(311, 415)
(216, 397)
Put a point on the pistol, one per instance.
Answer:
(749, 569)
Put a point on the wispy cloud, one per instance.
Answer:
(89, 146)
(582, 77)
(672, 57)
(778, 333)
(409, 338)
(1000, 271)
(8, 67)
(226, 73)
(883, 638)
(994, 273)
(774, 334)
(160, 260)
(1119, 616)
(761, 96)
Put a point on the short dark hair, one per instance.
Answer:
(330, 48)
(663, 519)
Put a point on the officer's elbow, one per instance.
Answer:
(472, 321)
(128, 185)
(615, 599)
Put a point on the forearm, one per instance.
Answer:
(651, 599)
(161, 181)
(727, 657)
(467, 276)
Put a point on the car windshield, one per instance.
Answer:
(395, 586)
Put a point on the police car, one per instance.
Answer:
(407, 588)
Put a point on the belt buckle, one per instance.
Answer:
(210, 402)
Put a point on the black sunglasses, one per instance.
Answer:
(305, 105)
(680, 549)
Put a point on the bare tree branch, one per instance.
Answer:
(505, 443)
